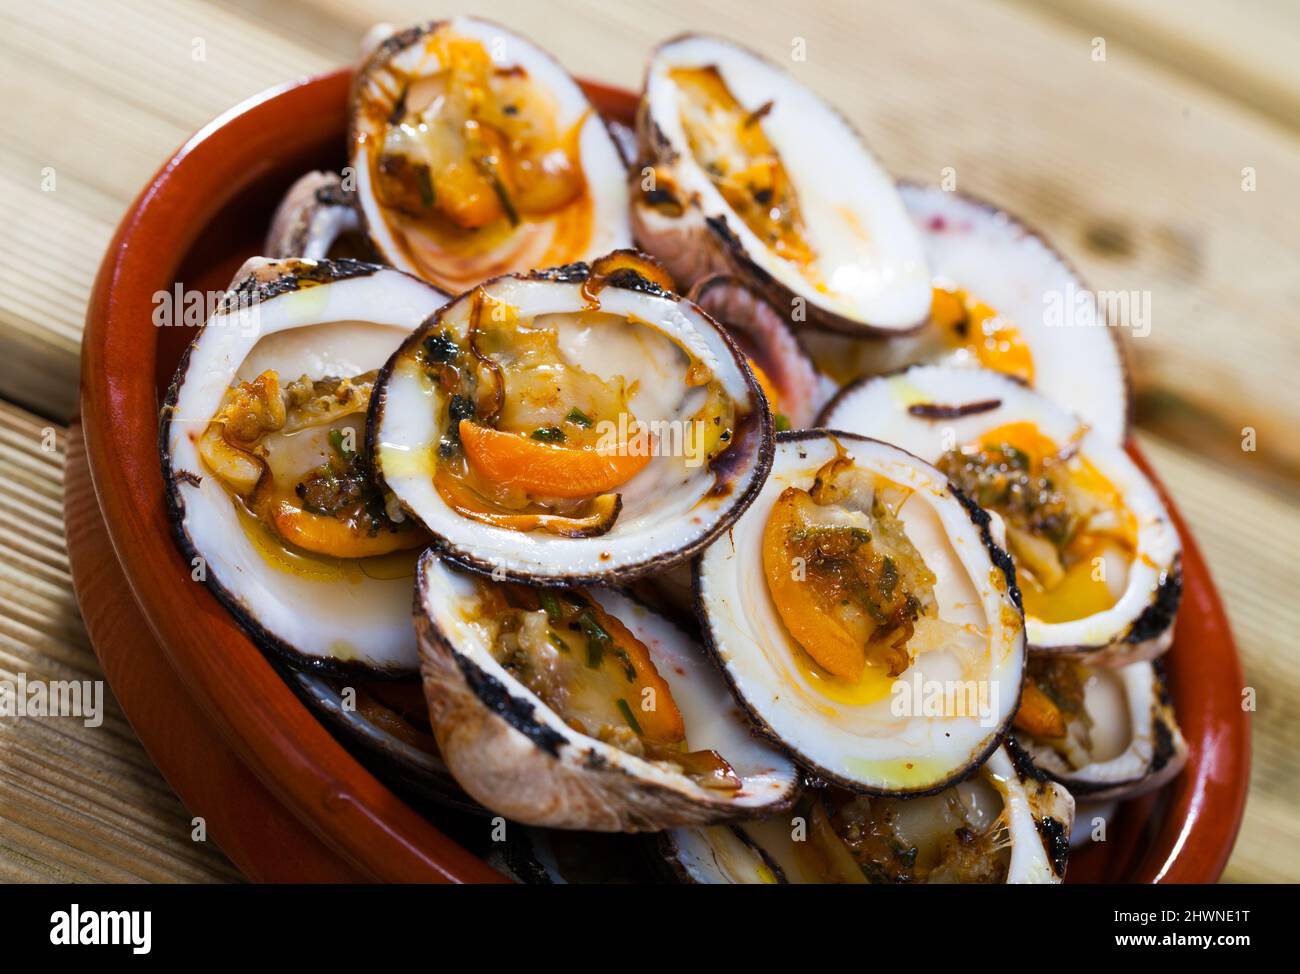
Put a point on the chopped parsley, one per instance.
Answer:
(549, 434)
(598, 640)
(629, 716)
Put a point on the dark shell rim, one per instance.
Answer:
(258, 292)
(667, 846)
(1167, 759)
(615, 575)
(1159, 614)
(569, 744)
(983, 752)
(819, 318)
(402, 39)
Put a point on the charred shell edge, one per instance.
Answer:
(384, 50)
(1168, 757)
(1125, 357)
(625, 279)
(503, 706)
(1148, 636)
(1157, 618)
(714, 233)
(398, 40)
(668, 850)
(518, 861)
(1001, 560)
(781, 295)
(247, 291)
(579, 272)
(1054, 833)
(291, 231)
(295, 275)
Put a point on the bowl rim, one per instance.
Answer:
(275, 735)
(259, 715)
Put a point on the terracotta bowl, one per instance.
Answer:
(280, 795)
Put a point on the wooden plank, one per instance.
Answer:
(1131, 165)
(1247, 49)
(136, 78)
(1249, 535)
(77, 803)
(1132, 169)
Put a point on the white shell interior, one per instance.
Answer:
(666, 506)
(712, 718)
(1124, 704)
(303, 226)
(869, 253)
(879, 407)
(720, 854)
(868, 744)
(333, 609)
(601, 163)
(717, 854)
(998, 261)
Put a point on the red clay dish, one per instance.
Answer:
(279, 794)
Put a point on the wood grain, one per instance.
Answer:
(1247, 49)
(1132, 166)
(1249, 534)
(77, 803)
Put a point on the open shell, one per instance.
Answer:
(984, 252)
(520, 759)
(669, 510)
(867, 273)
(314, 215)
(395, 748)
(321, 318)
(858, 741)
(1038, 817)
(1136, 745)
(594, 223)
(929, 410)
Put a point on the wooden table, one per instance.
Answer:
(1135, 166)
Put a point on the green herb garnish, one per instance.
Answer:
(549, 434)
(424, 183)
(628, 669)
(629, 716)
(598, 640)
(579, 418)
(487, 165)
(551, 604)
(336, 441)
